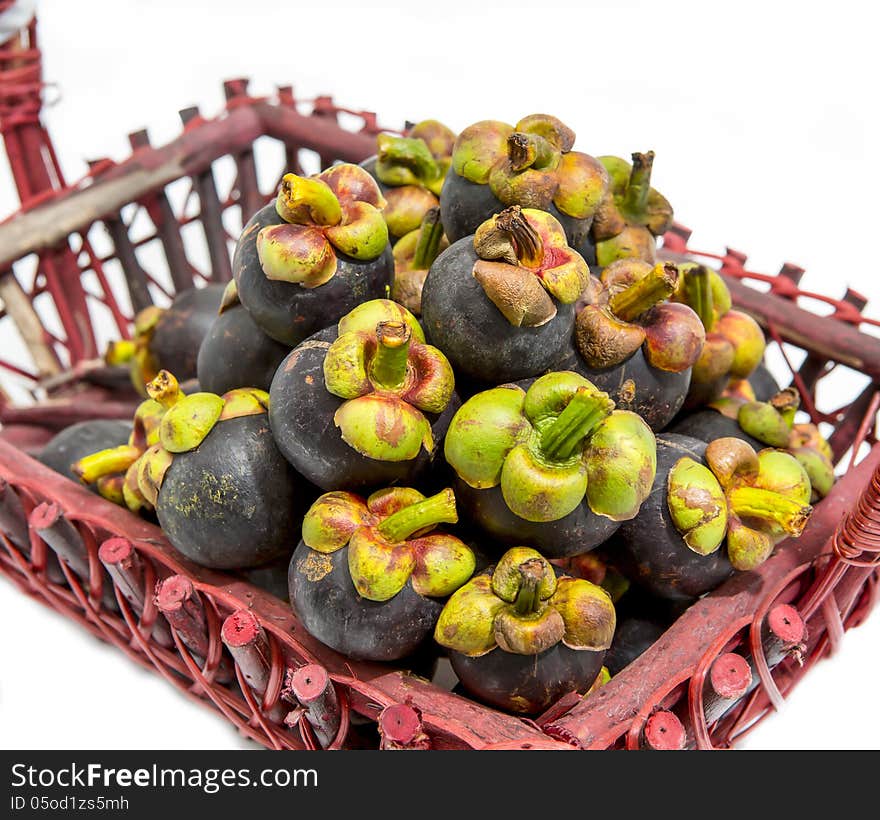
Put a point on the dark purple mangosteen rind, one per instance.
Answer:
(233, 501)
(80, 440)
(659, 395)
(648, 549)
(465, 205)
(181, 328)
(527, 684)
(479, 342)
(289, 312)
(325, 600)
(764, 383)
(708, 424)
(301, 412)
(236, 353)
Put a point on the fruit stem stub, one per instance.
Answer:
(426, 514)
(582, 414)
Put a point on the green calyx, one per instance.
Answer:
(632, 214)
(337, 211)
(108, 468)
(525, 263)
(553, 447)
(531, 165)
(389, 378)
(628, 309)
(407, 161)
(519, 606)
(772, 423)
(750, 500)
(391, 539)
(703, 290)
(633, 198)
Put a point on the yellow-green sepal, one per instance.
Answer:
(363, 235)
(482, 432)
(507, 579)
(442, 564)
(367, 315)
(621, 460)
(185, 425)
(478, 148)
(379, 570)
(539, 492)
(345, 368)
(467, 621)
(332, 519)
(587, 613)
(697, 506)
(384, 428)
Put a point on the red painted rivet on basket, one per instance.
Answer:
(312, 687)
(240, 629)
(664, 732)
(786, 623)
(730, 675)
(400, 724)
(309, 682)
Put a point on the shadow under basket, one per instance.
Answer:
(79, 258)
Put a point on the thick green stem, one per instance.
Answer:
(766, 505)
(527, 599)
(106, 462)
(698, 295)
(430, 235)
(635, 200)
(586, 409)
(388, 368)
(529, 151)
(438, 509)
(527, 241)
(641, 296)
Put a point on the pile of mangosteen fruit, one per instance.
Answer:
(455, 403)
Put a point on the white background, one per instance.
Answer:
(760, 115)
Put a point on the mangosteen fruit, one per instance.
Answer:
(370, 576)
(555, 466)
(168, 338)
(365, 404)
(632, 214)
(224, 495)
(713, 509)
(767, 424)
(113, 470)
(519, 638)
(235, 352)
(316, 252)
(81, 439)
(410, 171)
(632, 342)
(500, 304)
(531, 164)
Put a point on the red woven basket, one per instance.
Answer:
(82, 257)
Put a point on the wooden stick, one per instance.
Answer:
(313, 689)
(21, 311)
(126, 568)
(664, 732)
(400, 728)
(211, 214)
(73, 211)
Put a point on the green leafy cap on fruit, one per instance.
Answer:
(520, 606)
(552, 447)
(391, 539)
(337, 211)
